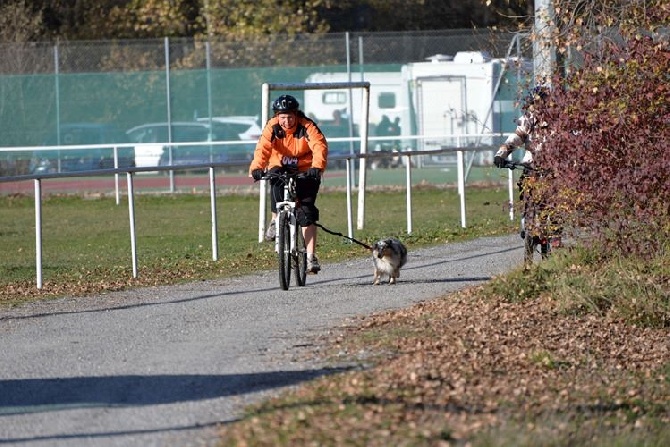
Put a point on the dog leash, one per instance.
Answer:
(334, 233)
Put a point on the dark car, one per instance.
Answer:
(339, 148)
(83, 159)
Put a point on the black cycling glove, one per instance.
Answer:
(499, 161)
(314, 173)
(257, 174)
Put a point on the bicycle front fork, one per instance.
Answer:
(293, 225)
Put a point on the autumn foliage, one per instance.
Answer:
(608, 140)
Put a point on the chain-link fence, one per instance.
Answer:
(122, 84)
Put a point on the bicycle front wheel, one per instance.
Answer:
(300, 257)
(284, 249)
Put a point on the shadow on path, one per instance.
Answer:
(19, 396)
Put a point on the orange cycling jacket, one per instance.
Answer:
(303, 146)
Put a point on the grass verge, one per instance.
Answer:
(86, 241)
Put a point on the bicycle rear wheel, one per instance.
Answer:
(284, 250)
(300, 257)
(545, 247)
(530, 242)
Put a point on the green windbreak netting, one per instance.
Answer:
(36, 108)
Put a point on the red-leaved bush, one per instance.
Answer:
(608, 145)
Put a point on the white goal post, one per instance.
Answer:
(363, 134)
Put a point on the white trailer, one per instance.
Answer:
(468, 100)
(469, 94)
(385, 96)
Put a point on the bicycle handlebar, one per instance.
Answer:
(283, 175)
(512, 165)
(530, 170)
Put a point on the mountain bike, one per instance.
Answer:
(289, 240)
(540, 230)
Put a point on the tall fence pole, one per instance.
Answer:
(208, 65)
(168, 100)
(362, 172)
(57, 76)
(350, 93)
(265, 100)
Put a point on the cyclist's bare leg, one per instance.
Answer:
(271, 230)
(310, 238)
(310, 245)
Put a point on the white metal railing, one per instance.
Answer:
(115, 157)
(408, 155)
(39, 178)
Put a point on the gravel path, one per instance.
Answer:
(163, 366)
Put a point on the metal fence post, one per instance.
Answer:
(38, 232)
(350, 219)
(131, 218)
(461, 185)
(409, 194)
(510, 193)
(212, 196)
(116, 174)
(265, 100)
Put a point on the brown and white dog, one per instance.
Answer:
(388, 256)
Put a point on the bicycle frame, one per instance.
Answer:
(289, 240)
(536, 229)
(289, 205)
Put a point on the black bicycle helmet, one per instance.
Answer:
(537, 95)
(285, 103)
(541, 91)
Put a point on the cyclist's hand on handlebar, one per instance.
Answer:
(257, 174)
(314, 173)
(499, 162)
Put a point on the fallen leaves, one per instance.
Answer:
(457, 369)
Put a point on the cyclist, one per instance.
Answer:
(523, 134)
(292, 142)
(523, 137)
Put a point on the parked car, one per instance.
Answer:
(151, 150)
(246, 127)
(84, 159)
